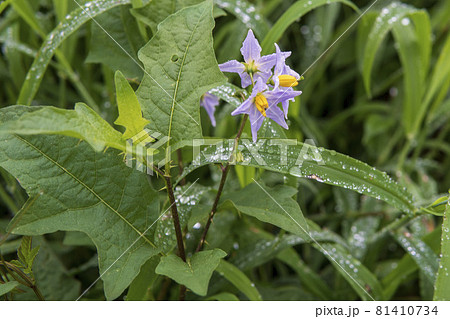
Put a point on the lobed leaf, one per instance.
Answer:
(74, 188)
(195, 273)
(121, 40)
(180, 67)
(153, 13)
(82, 123)
(130, 114)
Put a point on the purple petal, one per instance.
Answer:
(246, 80)
(274, 113)
(280, 62)
(256, 120)
(232, 66)
(279, 95)
(260, 86)
(209, 102)
(282, 96)
(287, 70)
(210, 110)
(266, 62)
(262, 76)
(251, 51)
(244, 108)
(285, 105)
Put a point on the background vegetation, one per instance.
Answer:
(379, 94)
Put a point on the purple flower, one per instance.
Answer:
(209, 102)
(255, 65)
(284, 78)
(263, 103)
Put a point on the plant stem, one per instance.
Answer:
(177, 226)
(225, 171)
(27, 281)
(176, 218)
(180, 166)
(396, 224)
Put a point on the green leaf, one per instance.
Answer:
(388, 17)
(423, 255)
(364, 282)
(187, 199)
(8, 287)
(74, 238)
(239, 280)
(223, 296)
(247, 13)
(407, 266)
(441, 290)
(52, 277)
(130, 114)
(27, 13)
(308, 277)
(74, 188)
(361, 231)
(27, 254)
(291, 15)
(414, 74)
(54, 39)
(438, 206)
(263, 250)
(230, 93)
(121, 40)
(4, 4)
(319, 164)
(441, 71)
(155, 12)
(180, 67)
(140, 288)
(195, 273)
(10, 246)
(271, 205)
(82, 123)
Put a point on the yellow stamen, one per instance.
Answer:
(261, 103)
(287, 80)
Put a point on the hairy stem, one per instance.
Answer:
(177, 226)
(176, 218)
(225, 171)
(180, 166)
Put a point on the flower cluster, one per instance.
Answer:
(270, 80)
